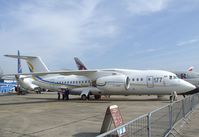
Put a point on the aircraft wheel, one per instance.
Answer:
(97, 97)
(83, 97)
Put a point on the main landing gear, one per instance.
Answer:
(87, 97)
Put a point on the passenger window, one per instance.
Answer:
(141, 79)
(137, 79)
(170, 77)
(133, 79)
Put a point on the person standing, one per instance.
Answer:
(63, 94)
(58, 95)
(66, 93)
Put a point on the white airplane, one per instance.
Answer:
(106, 81)
(189, 75)
(25, 82)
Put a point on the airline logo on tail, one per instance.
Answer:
(30, 66)
(79, 64)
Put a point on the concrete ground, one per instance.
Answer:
(42, 115)
(189, 127)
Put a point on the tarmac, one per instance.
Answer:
(42, 115)
(188, 127)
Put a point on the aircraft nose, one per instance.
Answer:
(188, 86)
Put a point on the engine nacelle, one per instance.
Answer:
(113, 83)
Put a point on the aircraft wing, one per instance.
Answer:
(75, 72)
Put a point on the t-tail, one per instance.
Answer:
(79, 64)
(35, 64)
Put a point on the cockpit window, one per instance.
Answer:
(173, 77)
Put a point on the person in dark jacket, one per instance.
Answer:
(58, 95)
(63, 94)
(66, 94)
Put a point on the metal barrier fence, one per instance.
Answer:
(157, 123)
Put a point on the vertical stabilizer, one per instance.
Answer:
(19, 68)
(190, 68)
(79, 64)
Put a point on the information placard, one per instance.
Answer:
(113, 115)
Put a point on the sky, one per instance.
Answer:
(130, 34)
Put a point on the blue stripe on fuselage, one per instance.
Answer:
(50, 82)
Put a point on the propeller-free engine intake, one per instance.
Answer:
(113, 83)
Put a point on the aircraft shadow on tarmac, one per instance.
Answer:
(103, 100)
(73, 100)
(34, 100)
(84, 134)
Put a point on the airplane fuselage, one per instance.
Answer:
(117, 82)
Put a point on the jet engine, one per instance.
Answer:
(113, 83)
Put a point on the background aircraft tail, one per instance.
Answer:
(19, 68)
(35, 64)
(190, 68)
(79, 64)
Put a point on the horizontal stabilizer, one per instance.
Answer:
(35, 64)
(21, 57)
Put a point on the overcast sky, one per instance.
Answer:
(133, 34)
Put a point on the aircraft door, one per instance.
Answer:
(150, 82)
